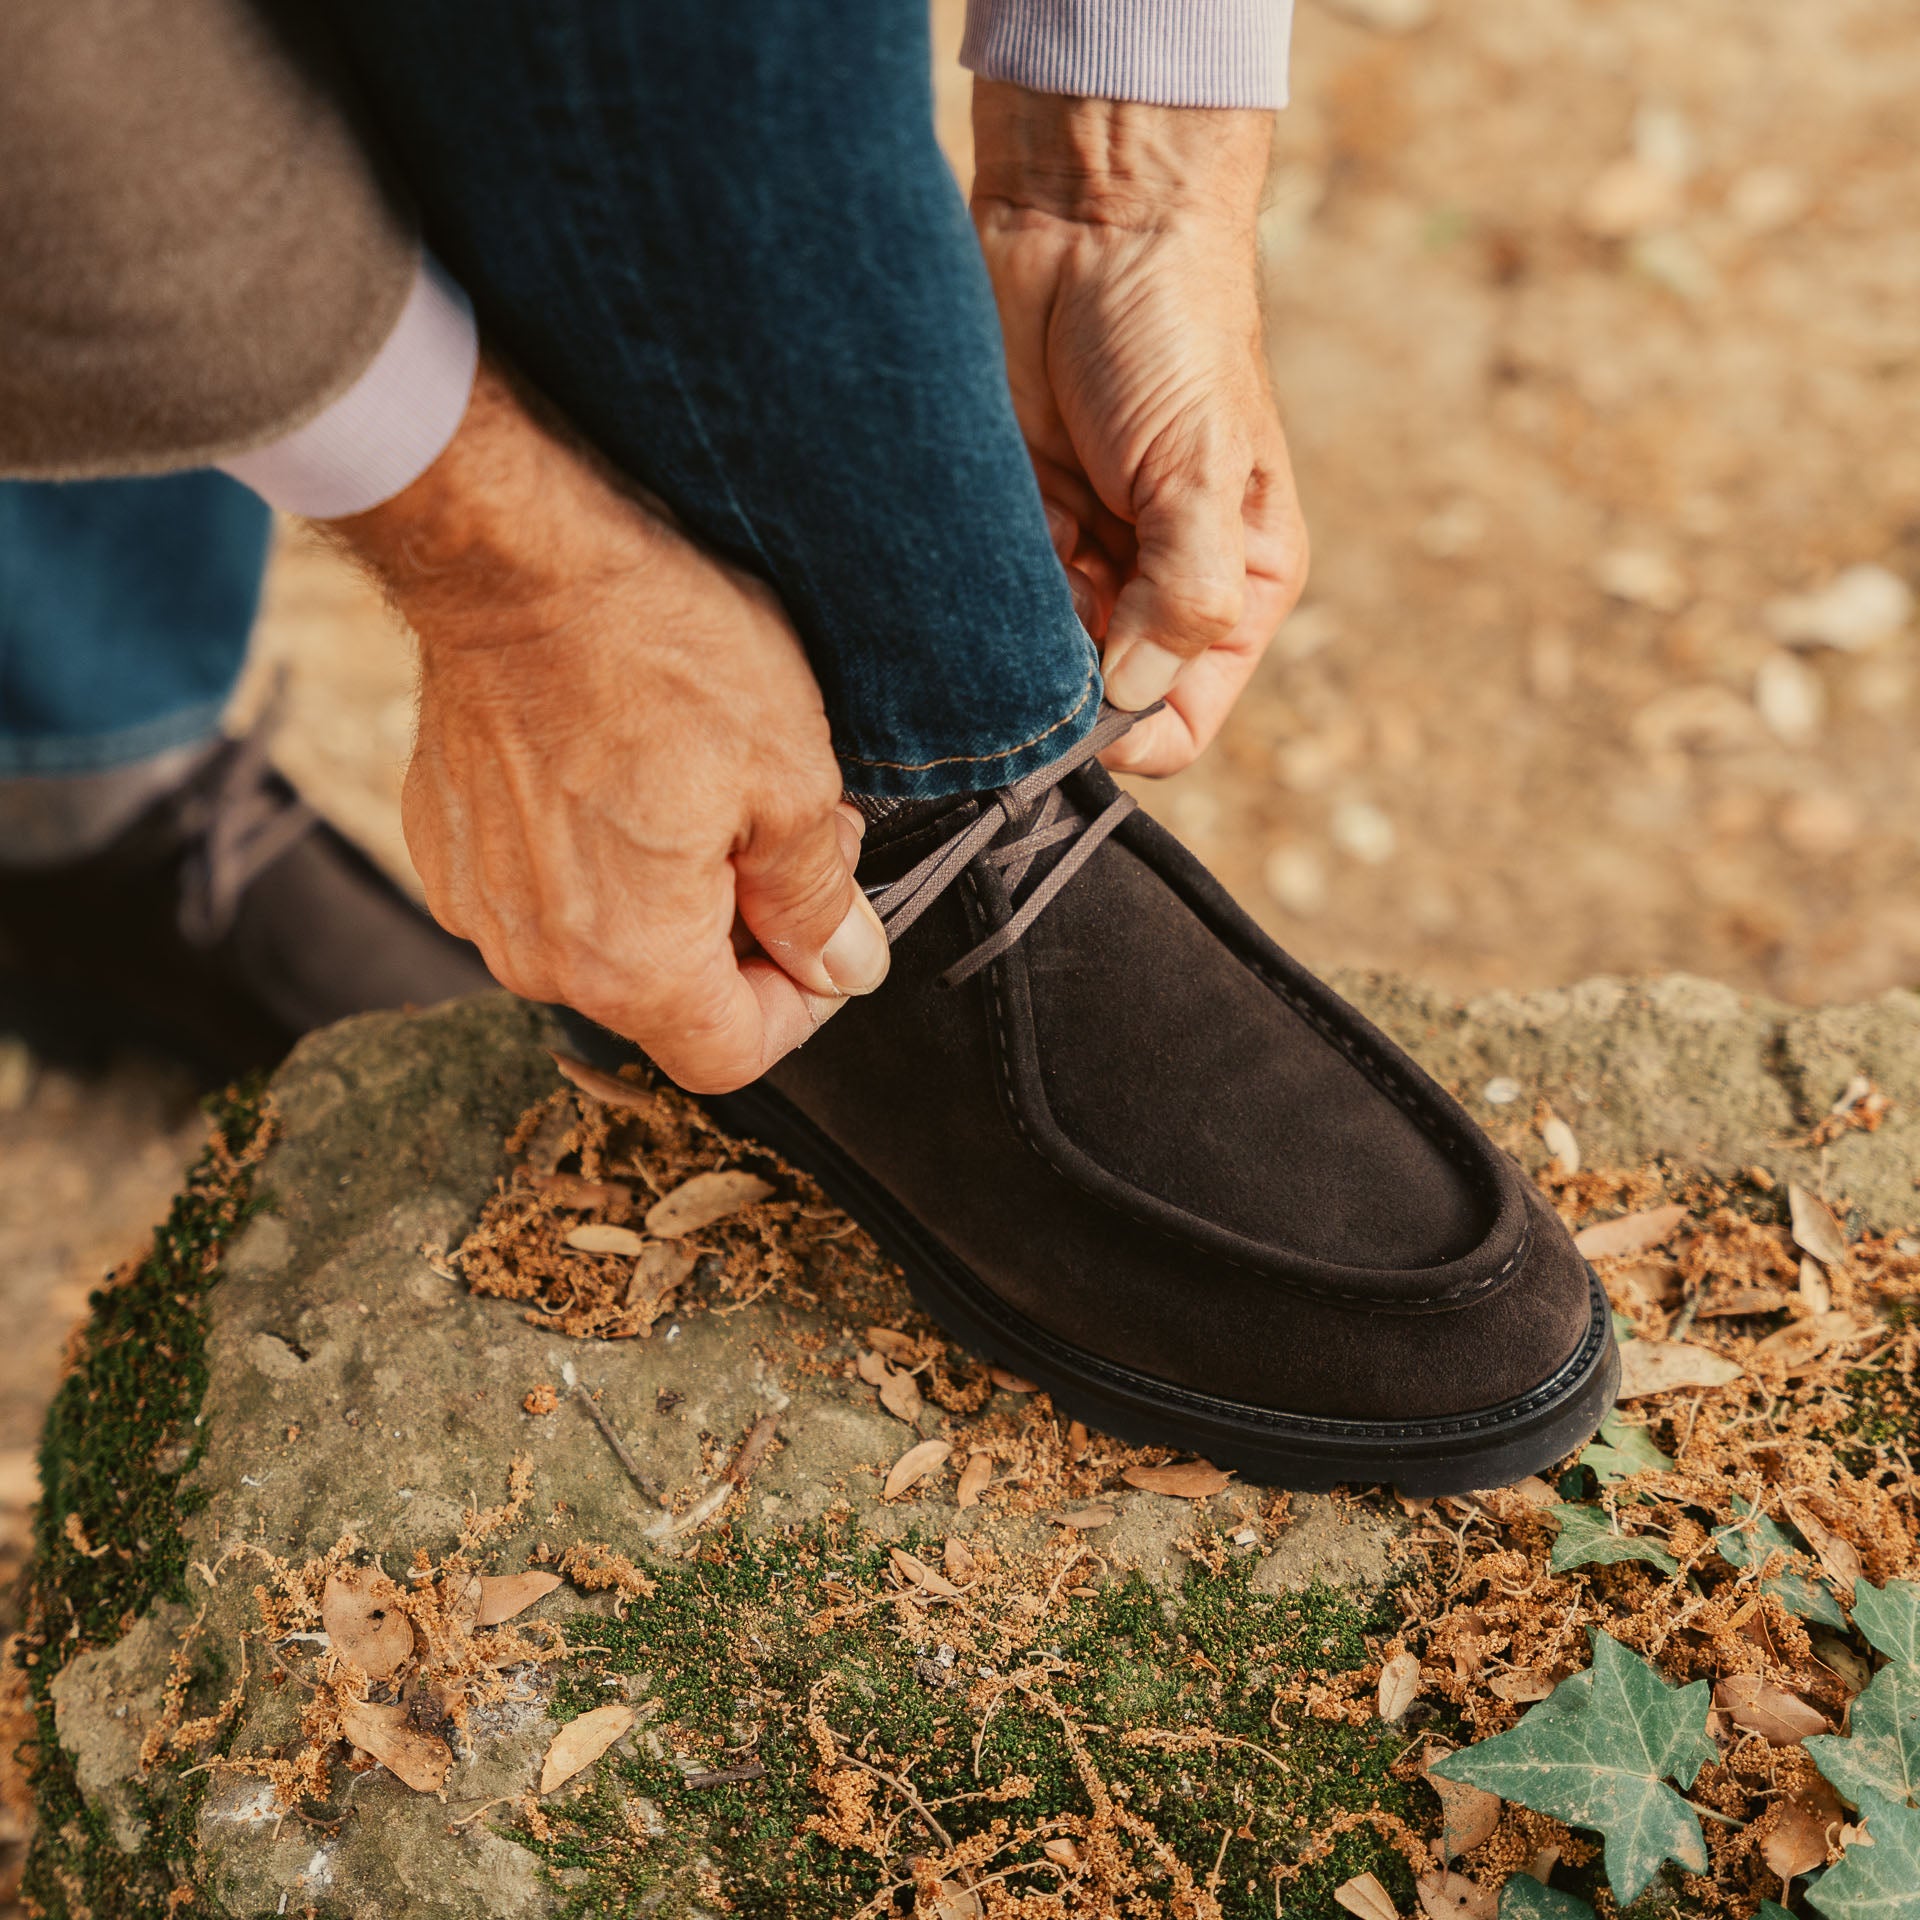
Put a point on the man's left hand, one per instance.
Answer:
(1120, 240)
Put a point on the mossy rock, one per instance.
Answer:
(291, 1367)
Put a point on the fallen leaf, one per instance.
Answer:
(663, 1266)
(913, 1466)
(1881, 1753)
(1365, 1896)
(1076, 1439)
(699, 1202)
(1399, 1684)
(957, 1556)
(973, 1479)
(1838, 1555)
(1467, 1814)
(361, 1612)
(594, 1237)
(1757, 1706)
(1557, 1137)
(463, 1608)
(951, 1901)
(570, 1190)
(1522, 1685)
(1798, 1345)
(604, 1087)
(1797, 1841)
(1815, 1289)
(1659, 1366)
(1815, 1230)
(1842, 1662)
(581, 1742)
(900, 1395)
(1630, 1233)
(1010, 1382)
(421, 1760)
(1063, 1850)
(1527, 1896)
(1452, 1896)
(1742, 1301)
(1878, 1874)
(895, 1345)
(502, 1596)
(1588, 1538)
(753, 1449)
(1889, 1618)
(1622, 1450)
(1752, 1538)
(873, 1368)
(916, 1573)
(1085, 1519)
(1184, 1479)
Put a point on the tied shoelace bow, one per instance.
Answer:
(1016, 825)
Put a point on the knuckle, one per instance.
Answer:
(1208, 605)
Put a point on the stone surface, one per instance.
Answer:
(356, 1390)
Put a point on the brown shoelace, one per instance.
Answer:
(1016, 825)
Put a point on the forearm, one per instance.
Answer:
(198, 254)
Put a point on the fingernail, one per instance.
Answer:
(1086, 609)
(1140, 672)
(857, 957)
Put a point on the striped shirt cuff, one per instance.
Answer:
(390, 426)
(1169, 53)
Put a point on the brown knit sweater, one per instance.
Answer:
(196, 252)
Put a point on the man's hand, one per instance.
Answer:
(1120, 239)
(622, 783)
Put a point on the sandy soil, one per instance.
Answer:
(1595, 324)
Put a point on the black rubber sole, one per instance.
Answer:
(1491, 1448)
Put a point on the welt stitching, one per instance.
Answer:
(1466, 1289)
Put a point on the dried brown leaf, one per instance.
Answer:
(1838, 1555)
(1630, 1233)
(704, 1199)
(957, 1557)
(421, 1760)
(1522, 1685)
(1557, 1137)
(872, 1367)
(1467, 1814)
(1815, 1289)
(1757, 1706)
(1183, 1479)
(1365, 1896)
(973, 1479)
(604, 1087)
(1010, 1382)
(362, 1613)
(913, 1466)
(1063, 1850)
(1399, 1685)
(570, 1190)
(595, 1237)
(502, 1596)
(1658, 1366)
(900, 1395)
(1742, 1301)
(1815, 1230)
(663, 1266)
(894, 1344)
(917, 1573)
(1085, 1519)
(1797, 1841)
(1452, 1896)
(581, 1742)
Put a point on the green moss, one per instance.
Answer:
(108, 1541)
(730, 1644)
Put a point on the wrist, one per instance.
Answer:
(1120, 163)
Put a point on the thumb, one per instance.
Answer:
(1188, 589)
(799, 900)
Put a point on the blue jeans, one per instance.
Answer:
(719, 234)
(124, 609)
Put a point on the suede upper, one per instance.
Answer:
(1155, 1137)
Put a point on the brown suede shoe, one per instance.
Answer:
(1123, 1145)
(227, 921)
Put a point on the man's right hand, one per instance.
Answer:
(622, 788)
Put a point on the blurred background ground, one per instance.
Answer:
(1596, 324)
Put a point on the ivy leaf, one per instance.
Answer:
(1771, 1910)
(1890, 1618)
(1880, 1882)
(1524, 1898)
(1882, 1752)
(1600, 1759)
(1749, 1541)
(1623, 1449)
(1588, 1539)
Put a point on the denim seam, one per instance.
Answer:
(975, 759)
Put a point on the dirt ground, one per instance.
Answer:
(1596, 324)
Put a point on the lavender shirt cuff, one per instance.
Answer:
(1169, 53)
(390, 426)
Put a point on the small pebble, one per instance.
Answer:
(1359, 828)
(1642, 578)
(1500, 1091)
(1791, 697)
(1297, 879)
(1855, 610)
